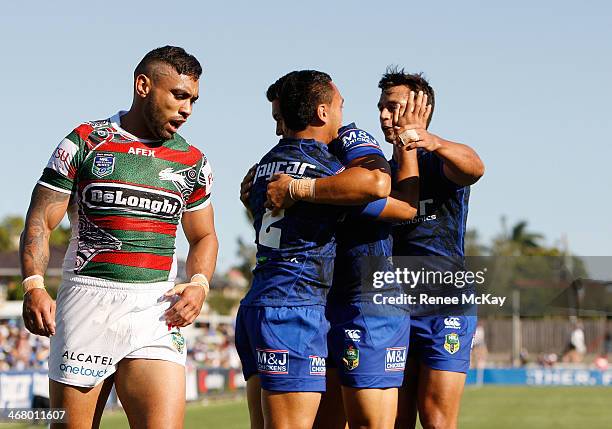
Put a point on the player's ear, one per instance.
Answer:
(323, 113)
(142, 85)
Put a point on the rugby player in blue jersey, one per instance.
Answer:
(367, 344)
(439, 344)
(281, 326)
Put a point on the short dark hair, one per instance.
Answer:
(395, 76)
(300, 95)
(273, 91)
(175, 57)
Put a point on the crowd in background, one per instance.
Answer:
(19, 349)
(213, 346)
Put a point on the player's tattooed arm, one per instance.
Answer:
(199, 228)
(47, 208)
(46, 211)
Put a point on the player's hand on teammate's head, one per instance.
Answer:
(410, 119)
(277, 195)
(246, 185)
(39, 312)
(188, 307)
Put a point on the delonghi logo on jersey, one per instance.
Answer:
(317, 365)
(103, 164)
(273, 361)
(293, 167)
(132, 199)
(353, 334)
(452, 323)
(451, 343)
(395, 359)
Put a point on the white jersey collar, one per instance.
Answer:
(116, 122)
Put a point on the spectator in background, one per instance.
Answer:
(214, 347)
(607, 344)
(577, 347)
(19, 350)
(524, 356)
(22, 353)
(479, 349)
(601, 362)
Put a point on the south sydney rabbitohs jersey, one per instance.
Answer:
(362, 242)
(296, 248)
(127, 197)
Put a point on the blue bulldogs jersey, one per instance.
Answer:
(296, 248)
(363, 244)
(435, 237)
(440, 224)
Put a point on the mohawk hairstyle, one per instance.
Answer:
(395, 76)
(175, 57)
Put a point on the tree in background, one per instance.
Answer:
(10, 231)
(246, 254)
(473, 245)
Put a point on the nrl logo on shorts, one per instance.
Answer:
(451, 343)
(350, 358)
(103, 164)
(178, 341)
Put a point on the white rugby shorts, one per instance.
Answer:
(100, 322)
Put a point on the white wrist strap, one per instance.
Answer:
(202, 280)
(33, 282)
(408, 136)
(300, 189)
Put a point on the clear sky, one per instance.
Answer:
(526, 83)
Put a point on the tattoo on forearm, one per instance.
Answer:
(47, 208)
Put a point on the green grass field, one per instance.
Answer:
(486, 407)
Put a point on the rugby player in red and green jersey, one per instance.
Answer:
(126, 182)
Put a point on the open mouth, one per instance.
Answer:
(175, 125)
